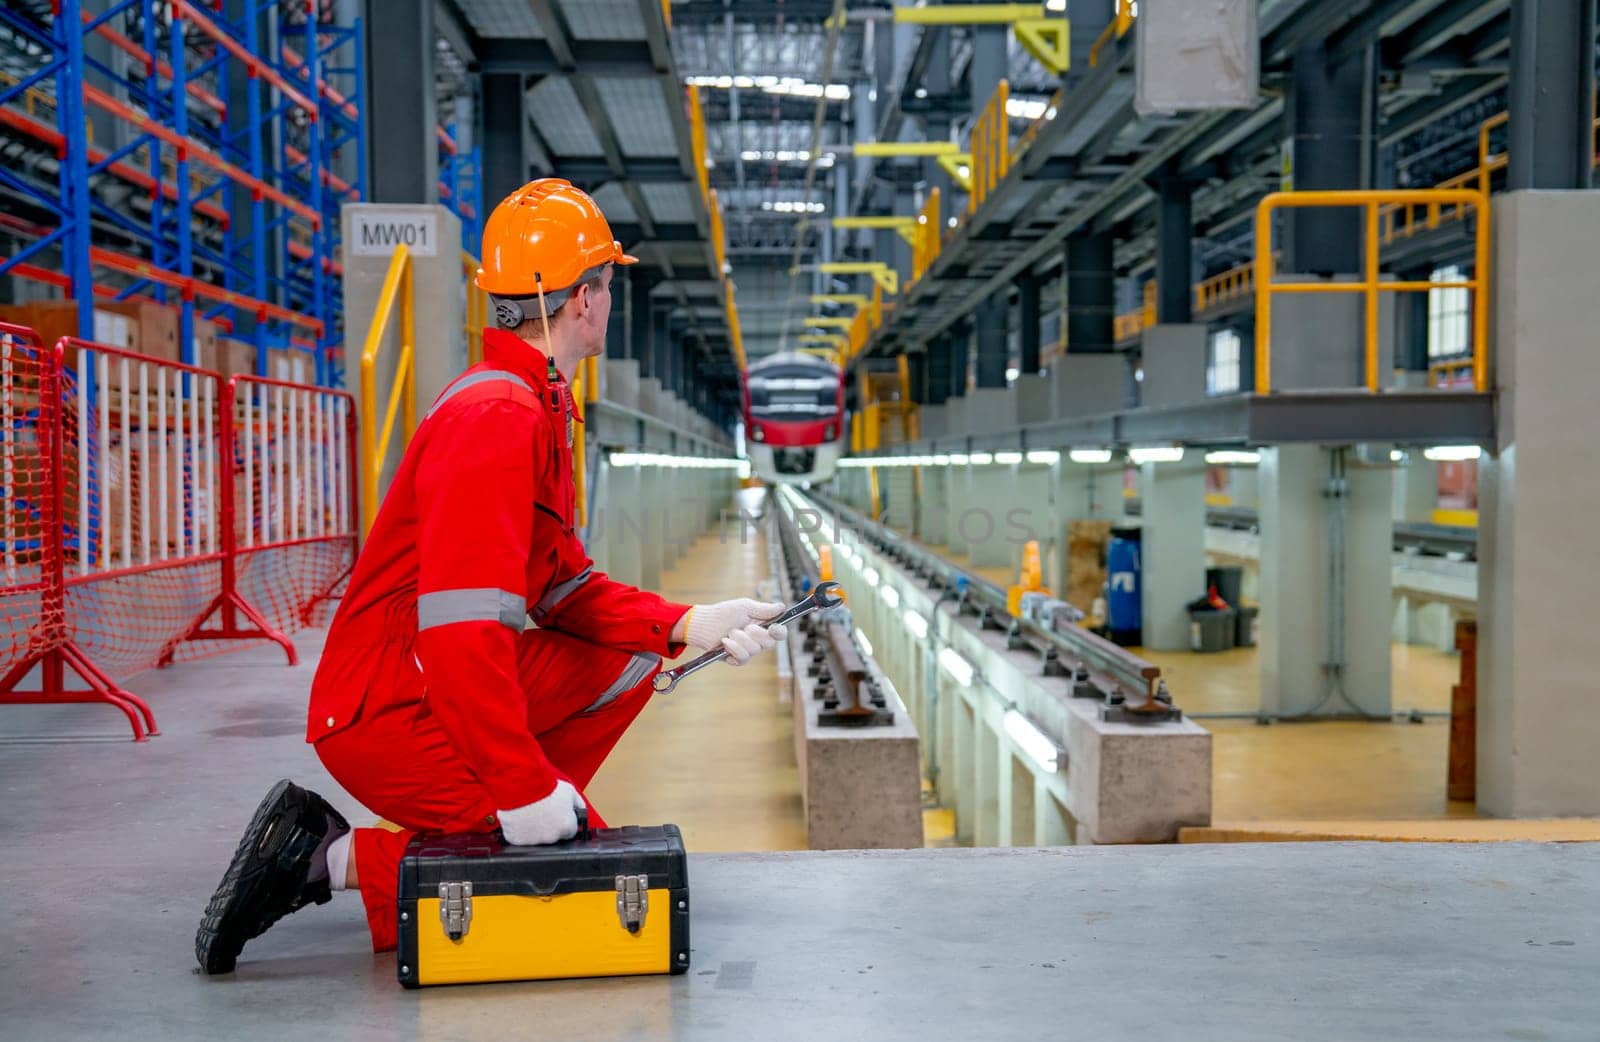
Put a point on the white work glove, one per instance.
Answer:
(545, 821)
(738, 626)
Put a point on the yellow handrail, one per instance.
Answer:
(1118, 25)
(397, 284)
(477, 309)
(1371, 283)
(991, 147)
(926, 239)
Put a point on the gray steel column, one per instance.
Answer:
(917, 370)
(937, 126)
(1089, 19)
(960, 349)
(617, 326)
(1091, 293)
(502, 119)
(991, 321)
(905, 205)
(988, 65)
(1028, 319)
(640, 284)
(402, 149)
(1332, 118)
(653, 361)
(938, 377)
(1552, 94)
(1175, 251)
(1411, 346)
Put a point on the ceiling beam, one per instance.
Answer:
(450, 23)
(612, 58)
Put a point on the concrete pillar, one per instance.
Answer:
(1243, 487)
(933, 507)
(1304, 629)
(1052, 826)
(503, 126)
(401, 112)
(962, 761)
(960, 499)
(1551, 94)
(1028, 325)
(984, 531)
(1083, 492)
(640, 285)
(986, 751)
(1416, 488)
(1016, 810)
(1091, 293)
(1174, 364)
(1537, 557)
(440, 316)
(1172, 549)
(1332, 113)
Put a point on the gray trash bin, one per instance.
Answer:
(1211, 630)
(1245, 632)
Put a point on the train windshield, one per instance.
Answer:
(794, 393)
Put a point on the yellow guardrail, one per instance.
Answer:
(927, 237)
(398, 287)
(1230, 285)
(991, 147)
(1371, 283)
(477, 309)
(1130, 324)
(1443, 373)
(1121, 23)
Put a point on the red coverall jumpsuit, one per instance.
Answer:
(432, 705)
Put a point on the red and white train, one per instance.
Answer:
(794, 418)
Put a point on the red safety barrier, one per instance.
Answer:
(143, 499)
(38, 643)
(288, 509)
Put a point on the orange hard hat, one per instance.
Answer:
(547, 235)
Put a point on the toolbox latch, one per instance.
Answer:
(633, 901)
(455, 909)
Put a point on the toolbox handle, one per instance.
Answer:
(583, 823)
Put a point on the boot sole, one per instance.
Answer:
(216, 948)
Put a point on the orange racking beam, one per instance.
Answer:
(183, 9)
(139, 54)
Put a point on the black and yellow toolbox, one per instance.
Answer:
(610, 903)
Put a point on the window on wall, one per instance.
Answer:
(1448, 316)
(1222, 367)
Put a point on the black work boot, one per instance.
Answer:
(280, 867)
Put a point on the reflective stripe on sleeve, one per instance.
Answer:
(633, 674)
(480, 605)
(483, 376)
(560, 592)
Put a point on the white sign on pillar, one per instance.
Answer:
(376, 232)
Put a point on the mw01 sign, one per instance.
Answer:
(377, 232)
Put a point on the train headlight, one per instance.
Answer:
(758, 434)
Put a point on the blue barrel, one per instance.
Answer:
(1124, 614)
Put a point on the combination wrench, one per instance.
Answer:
(821, 596)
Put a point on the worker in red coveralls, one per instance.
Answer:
(436, 704)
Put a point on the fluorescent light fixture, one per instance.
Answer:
(870, 575)
(1023, 108)
(981, 459)
(891, 596)
(941, 460)
(916, 624)
(866, 645)
(1156, 454)
(1090, 455)
(1396, 456)
(1047, 457)
(1452, 453)
(960, 459)
(1011, 374)
(960, 669)
(1055, 5)
(1040, 749)
(1224, 457)
(656, 459)
(1008, 458)
(952, 221)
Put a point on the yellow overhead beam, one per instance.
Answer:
(858, 299)
(834, 321)
(881, 273)
(893, 149)
(969, 14)
(905, 226)
(959, 167)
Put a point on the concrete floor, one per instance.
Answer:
(112, 848)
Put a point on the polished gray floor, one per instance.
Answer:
(110, 849)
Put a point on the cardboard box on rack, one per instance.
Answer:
(55, 319)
